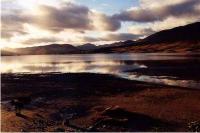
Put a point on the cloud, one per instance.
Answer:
(159, 13)
(158, 3)
(90, 39)
(110, 37)
(76, 17)
(40, 40)
(153, 15)
(142, 30)
(73, 23)
(172, 22)
(69, 16)
(12, 24)
(119, 37)
(152, 27)
(104, 23)
(8, 33)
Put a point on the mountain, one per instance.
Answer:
(39, 50)
(87, 46)
(115, 44)
(7, 53)
(180, 39)
(54, 49)
(189, 32)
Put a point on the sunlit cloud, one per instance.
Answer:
(142, 29)
(34, 22)
(158, 13)
(103, 22)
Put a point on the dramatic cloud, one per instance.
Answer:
(152, 27)
(75, 17)
(104, 22)
(56, 19)
(8, 33)
(153, 15)
(158, 13)
(69, 16)
(35, 22)
(12, 24)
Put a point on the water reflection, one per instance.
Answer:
(118, 64)
(110, 67)
(165, 80)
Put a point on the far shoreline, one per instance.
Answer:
(92, 53)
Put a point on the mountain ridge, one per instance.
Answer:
(179, 39)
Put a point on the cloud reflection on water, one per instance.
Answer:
(95, 67)
(117, 64)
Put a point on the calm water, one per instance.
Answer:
(123, 65)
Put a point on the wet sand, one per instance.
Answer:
(96, 102)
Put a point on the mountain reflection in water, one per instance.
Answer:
(171, 69)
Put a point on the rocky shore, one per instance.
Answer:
(95, 102)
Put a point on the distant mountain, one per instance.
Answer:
(87, 46)
(180, 39)
(39, 50)
(116, 44)
(55, 49)
(7, 53)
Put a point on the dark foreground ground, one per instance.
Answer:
(95, 102)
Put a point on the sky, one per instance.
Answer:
(27, 23)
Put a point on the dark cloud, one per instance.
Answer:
(106, 23)
(81, 19)
(8, 33)
(139, 15)
(186, 8)
(76, 17)
(112, 24)
(12, 23)
(69, 16)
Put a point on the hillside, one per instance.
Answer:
(179, 39)
(39, 50)
(87, 46)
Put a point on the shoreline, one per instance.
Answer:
(121, 76)
(90, 98)
(85, 53)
